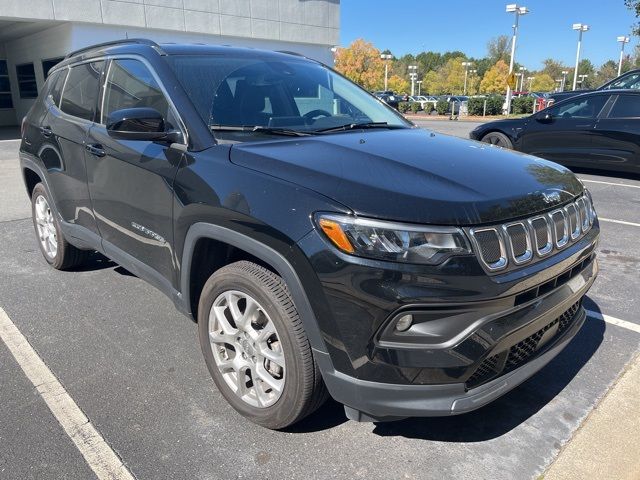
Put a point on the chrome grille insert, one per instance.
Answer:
(518, 243)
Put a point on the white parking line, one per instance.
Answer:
(610, 183)
(621, 222)
(634, 327)
(100, 457)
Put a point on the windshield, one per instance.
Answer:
(276, 94)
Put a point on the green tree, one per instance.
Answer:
(543, 82)
(608, 71)
(634, 5)
(585, 67)
(553, 68)
(432, 84)
(499, 48)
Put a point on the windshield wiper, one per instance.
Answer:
(357, 126)
(259, 128)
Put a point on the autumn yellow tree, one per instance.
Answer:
(361, 63)
(432, 84)
(543, 83)
(398, 84)
(495, 80)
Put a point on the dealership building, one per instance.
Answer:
(36, 34)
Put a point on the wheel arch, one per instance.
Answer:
(234, 246)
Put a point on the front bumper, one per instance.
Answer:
(507, 327)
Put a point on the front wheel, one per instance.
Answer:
(255, 347)
(498, 139)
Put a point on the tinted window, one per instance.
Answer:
(80, 96)
(628, 81)
(626, 106)
(27, 85)
(56, 91)
(49, 64)
(5, 86)
(131, 84)
(579, 107)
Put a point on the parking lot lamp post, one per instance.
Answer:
(582, 77)
(413, 75)
(419, 82)
(386, 57)
(522, 72)
(531, 79)
(472, 74)
(580, 27)
(622, 41)
(466, 66)
(517, 10)
(564, 80)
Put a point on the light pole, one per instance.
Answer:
(334, 51)
(564, 80)
(518, 80)
(622, 41)
(386, 57)
(419, 82)
(517, 10)
(413, 75)
(531, 79)
(580, 27)
(522, 72)
(466, 66)
(582, 77)
(472, 74)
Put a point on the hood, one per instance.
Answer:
(414, 175)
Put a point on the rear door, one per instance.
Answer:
(131, 181)
(66, 125)
(616, 142)
(568, 136)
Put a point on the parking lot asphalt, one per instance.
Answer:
(132, 364)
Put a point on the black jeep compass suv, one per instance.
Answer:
(324, 245)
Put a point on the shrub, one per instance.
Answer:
(475, 106)
(522, 105)
(442, 107)
(403, 107)
(415, 107)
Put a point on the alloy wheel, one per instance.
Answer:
(46, 227)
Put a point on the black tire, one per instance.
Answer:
(303, 390)
(498, 139)
(67, 256)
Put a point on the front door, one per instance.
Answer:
(131, 181)
(566, 134)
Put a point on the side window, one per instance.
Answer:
(56, 91)
(27, 85)
(80, 95)
(628, 81)
(580, 107)
(131, 84)
(626, 106)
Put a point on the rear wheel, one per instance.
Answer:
(255, 346)
(59, 253)
(498, 139)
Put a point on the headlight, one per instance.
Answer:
(393, 241)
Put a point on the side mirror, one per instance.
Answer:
(139, 123)
(544, 117)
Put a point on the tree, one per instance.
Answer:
(585, 67)
(608, 71)
(495, 80)
(553, 68)
(543, 82)
(398, 84)
(634, 5)
(432, 84)
(361, 63)
(498, 48)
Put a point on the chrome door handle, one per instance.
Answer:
(95, 149)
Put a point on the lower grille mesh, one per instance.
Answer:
(521, 352)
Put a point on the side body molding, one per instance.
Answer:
(266, 254)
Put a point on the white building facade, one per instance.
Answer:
(36, 34)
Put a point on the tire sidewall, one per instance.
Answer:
(40, 190)
(288, 405)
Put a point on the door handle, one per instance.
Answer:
(45, 131)
(95, 149)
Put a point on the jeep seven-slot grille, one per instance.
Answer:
(524, 241)
(523, 351)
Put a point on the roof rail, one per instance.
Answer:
(123, 41)
(289, 52)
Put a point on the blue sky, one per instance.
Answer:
(411, 26)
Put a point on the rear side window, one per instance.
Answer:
(580, 107)
(56, 91)
(130, 84)
(626, 106)
(80, 96)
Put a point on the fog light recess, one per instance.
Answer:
(404, 323)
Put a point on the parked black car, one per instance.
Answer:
(391, 98)
(323, 244)
(598, 130)
(627, 81)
